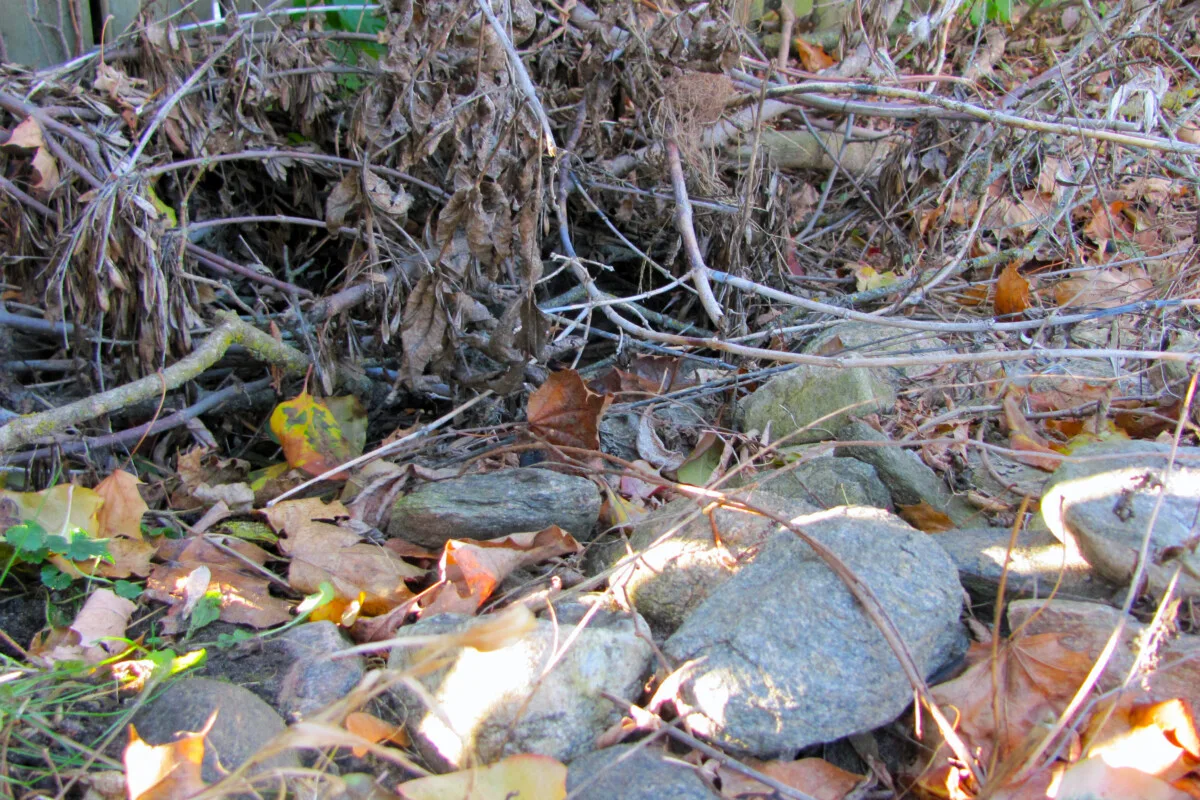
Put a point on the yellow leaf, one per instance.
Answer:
(318, 435)
(529, 777)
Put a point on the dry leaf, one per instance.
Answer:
(168, 771)
(1104, 288)
(815, 777)
(245, 599)
(323, 551)
(121, 514)
(925, 517)
(1012, 292)
(1036, 675)
(423, 329)
(473, 569)
(373, 729)
(563, 411)
(1035, 450)
(812, 56)
(528, 777)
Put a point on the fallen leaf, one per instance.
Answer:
(121, 514)
(815, 777)
(341, 201)
(1034, 449)
(1036, 677)
(1104, 288)
(925, 517)
(168, 771)
(59, 509)
(528, 777)
(319, 435)
(1012, 292)
(698, 468)
(812, 56)
(323, 551)
(97, 632)
(245, 599)
(867, 277)
(563, 411)
(375, 730)
(473, 569)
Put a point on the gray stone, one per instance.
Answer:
(633, 772)
(830, 481)
(244, 724)
(1035, 563)
(314, 680)
(863, 339)
(498, 703)
(1007, 479)
(494, 505)
(680, 563)
(813, 402)
(1104, 498)
(910, 481)
(782, 656)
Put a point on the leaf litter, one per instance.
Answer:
(425, 224)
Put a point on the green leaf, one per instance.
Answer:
(26, 536)
(228, 640)
(55, 578)
(82, 547)
(323, 596)
(207, 611)
(127, 589)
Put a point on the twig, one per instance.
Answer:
(683, 737)
(131, 435)
(231, 331)
(522, 76)
(987, 115)
(297, 155)
(683, 222)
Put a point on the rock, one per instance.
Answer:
(829, 481)
(1008, 480)
(863, 339)
(680, 566)
(1103, 501)
(1085, 628)
(911, 482)
(494, 505)
(633, 772)
(1036, 560)
(498, 703)
(314, 680)
(795, 400)
(781, 656)
(244, 724)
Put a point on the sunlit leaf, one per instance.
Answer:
(529, 777)
(318, 435)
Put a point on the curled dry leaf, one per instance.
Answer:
(423, 329)
(1035, 450)
(563, 411)
(471, 570)
(1104, 288)
(29, 136)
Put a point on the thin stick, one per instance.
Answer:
(231, 331)
(683, 222)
